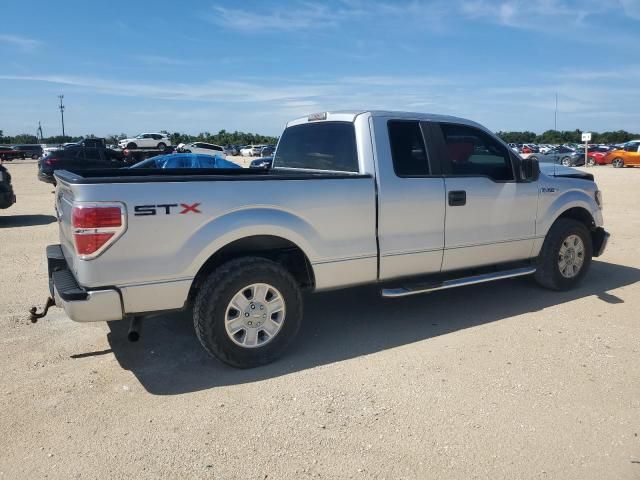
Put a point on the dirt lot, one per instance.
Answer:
(503, 380)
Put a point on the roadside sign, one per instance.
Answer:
(586, 138)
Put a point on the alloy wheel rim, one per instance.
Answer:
(255, 315)
(571, 256)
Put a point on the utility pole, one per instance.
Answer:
(40, 131)
(555, 117)
(62, 113)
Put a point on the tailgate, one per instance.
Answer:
(64, 206)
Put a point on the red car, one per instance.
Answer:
(8, 153)
(597, 154)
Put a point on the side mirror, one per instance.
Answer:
(529, 169)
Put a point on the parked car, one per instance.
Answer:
(560, 154)
(247, 151)
(8, 153)
(202, 147)
(337, 210)
(267, 151)
(231, 150)
(256, 150)
(628, 155)
(185, 160)
(48, 150)
(30, 151)
(77, 157)
(597, 154)
(7, 197)
(264, 162)
(146, 140)
(545, 148)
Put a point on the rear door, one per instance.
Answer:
(490, 216)
(411, 199)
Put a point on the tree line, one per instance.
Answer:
(221, 138)
(566, 136)
(241, 138)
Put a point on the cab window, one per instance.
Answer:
(470, 151)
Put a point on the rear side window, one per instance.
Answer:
(407, 149)
(472, 152)
(318, 146)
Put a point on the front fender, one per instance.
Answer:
(249, 222)
(574, 198)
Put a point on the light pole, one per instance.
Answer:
(62, 113)
(555, 117)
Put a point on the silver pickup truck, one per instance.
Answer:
(412, 202)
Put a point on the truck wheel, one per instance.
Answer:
(617, 163)
(162, 146)
(565, 256)
(131, 146)
(248, 311)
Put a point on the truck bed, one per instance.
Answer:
(148, 175)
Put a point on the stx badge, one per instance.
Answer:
(145, 210)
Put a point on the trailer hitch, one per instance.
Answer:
(34, 316)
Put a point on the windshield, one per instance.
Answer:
(185, 160)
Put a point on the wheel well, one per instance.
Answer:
(278, 249)
(580, 214)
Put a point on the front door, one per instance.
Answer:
(490, 216)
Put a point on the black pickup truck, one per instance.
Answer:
(87, 154)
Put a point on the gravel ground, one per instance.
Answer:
(502, 380)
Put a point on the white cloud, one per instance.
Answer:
(525, 14)
(631, 8)
(522, 104)
(23, 43)
(302, 16)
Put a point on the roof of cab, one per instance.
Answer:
(350, 116)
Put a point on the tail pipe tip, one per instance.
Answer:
(134, 329)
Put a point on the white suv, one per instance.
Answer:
(146, 140)
(204, 148)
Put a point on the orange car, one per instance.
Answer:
(629, 154)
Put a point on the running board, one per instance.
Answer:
(456, 282)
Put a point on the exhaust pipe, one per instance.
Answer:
(134, 329)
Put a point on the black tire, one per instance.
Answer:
(566, 161)
(548, 272)
(162, 146)
(131, 146)
(34, 156)
(591, 161)
(618, 162)
(217, 291)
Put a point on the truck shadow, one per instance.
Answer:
(341, 325)
(26, 220)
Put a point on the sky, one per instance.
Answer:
(196, 66)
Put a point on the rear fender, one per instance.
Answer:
(240, 224)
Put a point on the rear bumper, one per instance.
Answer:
(600, 240)
(80, 304)
(43, 177)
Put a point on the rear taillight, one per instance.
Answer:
(50, 161)
(96, 226)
